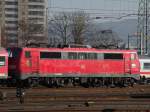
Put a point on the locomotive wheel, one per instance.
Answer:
(84, 82)
(31, 82)
(49, 82)
(112, 85)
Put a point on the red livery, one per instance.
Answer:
(52, 63)
(3, 64)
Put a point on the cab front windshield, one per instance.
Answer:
(13, 53)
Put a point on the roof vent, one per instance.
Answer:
(79, 46)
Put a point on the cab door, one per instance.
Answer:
(131, 63)
(32, 61)
(35, 61)
(127, 63)
(135, 64)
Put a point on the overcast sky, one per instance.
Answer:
(103, 8)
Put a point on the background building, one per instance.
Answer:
(23, 21)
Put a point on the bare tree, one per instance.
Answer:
(77, 28)
(80, 21)
(60, 27)
(104, 39)
(69, 27)
(27, 31)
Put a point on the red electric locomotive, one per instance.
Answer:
(61, 66)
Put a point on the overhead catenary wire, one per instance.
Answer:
(120, 12)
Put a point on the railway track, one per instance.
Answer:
(78, 106)
(79, 99)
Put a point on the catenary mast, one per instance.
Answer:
(143, 26)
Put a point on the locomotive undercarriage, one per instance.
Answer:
(84, 82)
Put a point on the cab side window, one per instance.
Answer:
(27, 54)
(2, 60)
(133, 56)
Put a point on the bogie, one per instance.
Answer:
(79, 82)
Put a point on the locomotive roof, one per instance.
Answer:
(80, 50)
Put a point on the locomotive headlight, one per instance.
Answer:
(133, 65)
(2, 74)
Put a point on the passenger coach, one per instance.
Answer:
(145, 69)
(57, 66)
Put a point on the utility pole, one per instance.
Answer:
(47, 24)
(131, 41)
(146, 25)
(143, 26)
(128, 41)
